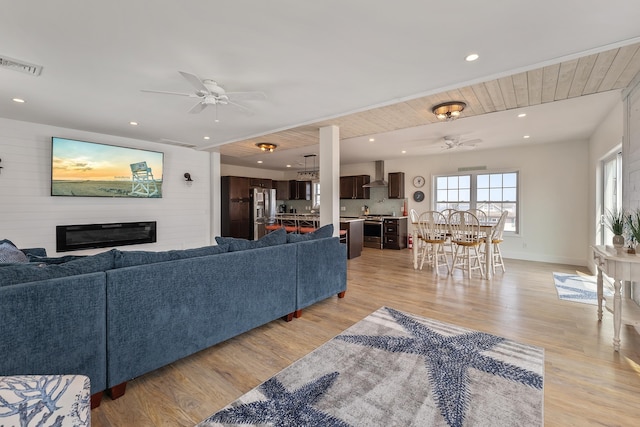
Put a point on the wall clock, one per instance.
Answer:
(418, 196)
(418, 181)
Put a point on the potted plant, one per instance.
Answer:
(633, 224)
(615, 223)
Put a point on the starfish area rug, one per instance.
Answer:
(578, 288)
(398, 369)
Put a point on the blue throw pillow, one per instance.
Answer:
(33, 272)
(276, 237)
(131, 258)
(10, 253)
(320, 233)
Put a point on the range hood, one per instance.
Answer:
(379, 177)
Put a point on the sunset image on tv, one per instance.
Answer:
(80, 168)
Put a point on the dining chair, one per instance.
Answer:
(447, 212)
(496, 239)
(432, 235)
(480, 214)
(465, 235)
(448, 246)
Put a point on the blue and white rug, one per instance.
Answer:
(578, 288)
(398, 369)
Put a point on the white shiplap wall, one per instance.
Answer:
(28, 214)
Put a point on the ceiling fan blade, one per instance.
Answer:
(198, 108)
(247, 96)
(241, 107)
(195, 82)
(192, 95)
(472, 142)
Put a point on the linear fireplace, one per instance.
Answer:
(85, 236)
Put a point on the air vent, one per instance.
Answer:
(177, 143)
(23, 67)
(472, 168)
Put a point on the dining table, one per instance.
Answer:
(486, 228)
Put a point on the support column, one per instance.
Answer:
(330, 177)
(215, 209)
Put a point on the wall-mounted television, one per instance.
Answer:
(89, 169)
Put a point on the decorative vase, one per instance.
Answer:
(618, 243)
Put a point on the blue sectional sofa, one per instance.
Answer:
(152, 308)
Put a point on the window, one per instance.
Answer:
(611, 192)
(490, 192)
(315, 195)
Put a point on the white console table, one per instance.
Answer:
(621, 268)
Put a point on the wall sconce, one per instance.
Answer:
(187, 178)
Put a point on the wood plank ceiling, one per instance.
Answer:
(600, 72)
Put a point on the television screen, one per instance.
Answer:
(89, 169)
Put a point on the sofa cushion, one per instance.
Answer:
(54, 260)
(33, 272)
(131, 258)
(320, 233)
(34, 251)
(276, 237)
(10, 253)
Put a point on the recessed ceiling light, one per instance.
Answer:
(404, 151)
(206, 137)
(526, 137)
(522, 115)
(371, 139)
(472, 57)
(259, 161)
(288, 166)
(18, 100)
(133, 123)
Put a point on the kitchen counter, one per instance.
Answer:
(350, 219)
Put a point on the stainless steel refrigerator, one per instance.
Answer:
(263, 210)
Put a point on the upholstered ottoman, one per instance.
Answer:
(45, 400)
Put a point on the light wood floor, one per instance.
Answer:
(586, 383)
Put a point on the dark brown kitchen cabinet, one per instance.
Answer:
(396, 185)
(351, 187)
(235, 215)
(394, 233)
(237, 187)
(260, 182)
(299, 190)
(282, 189)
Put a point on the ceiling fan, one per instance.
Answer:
(210, 92)
(454, 142)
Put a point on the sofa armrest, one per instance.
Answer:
(55, 326)
(321, 270)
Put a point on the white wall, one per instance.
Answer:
(29, 214)
(605, 141)
(553, 194)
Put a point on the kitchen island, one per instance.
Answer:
(354, 227)
(355, 235)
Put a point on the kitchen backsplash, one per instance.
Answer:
(378, 203)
